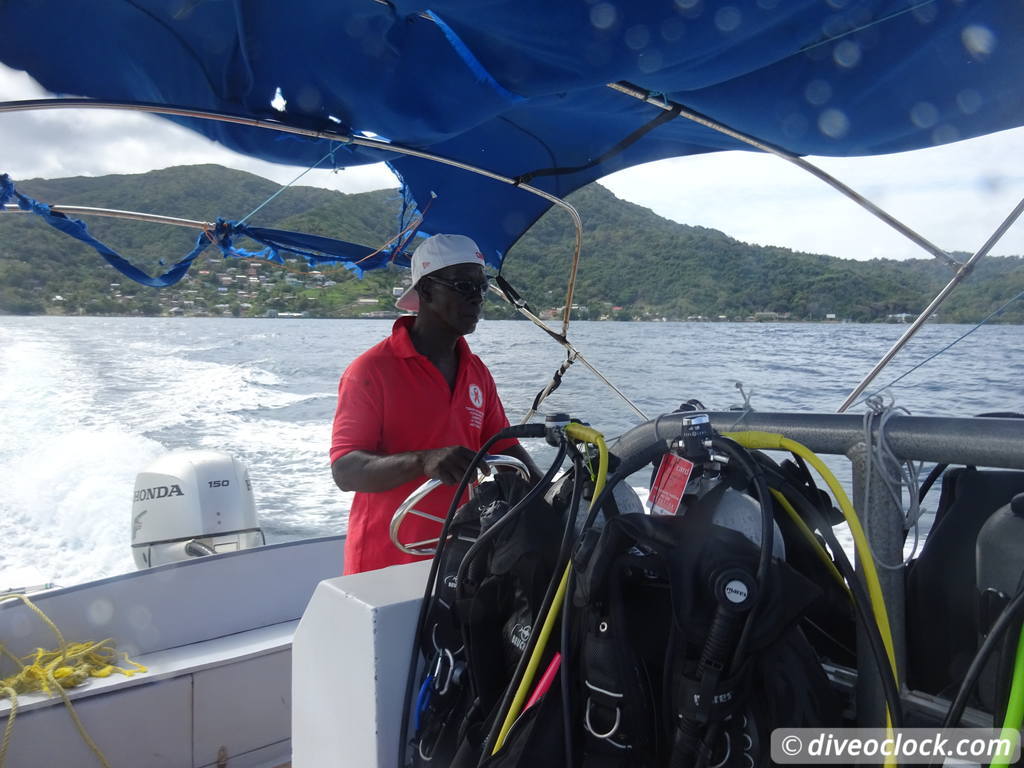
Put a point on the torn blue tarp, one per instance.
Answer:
(77, 229)
(314, 249)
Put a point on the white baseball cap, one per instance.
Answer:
(438, 252)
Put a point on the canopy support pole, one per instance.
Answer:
(962, 270)
(343, 138)
(82, 210)
(643, 95)
(961, 274)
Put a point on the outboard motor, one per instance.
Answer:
(191, 504)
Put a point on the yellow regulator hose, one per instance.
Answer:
(1015, 706)
(770, 441)
(808, 534)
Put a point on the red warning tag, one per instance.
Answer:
(669, 484)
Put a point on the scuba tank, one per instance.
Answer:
(999, 576)
(688, 647)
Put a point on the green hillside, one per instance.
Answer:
(635, 264)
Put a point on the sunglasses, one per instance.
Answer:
(468, 288)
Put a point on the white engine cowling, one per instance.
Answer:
(190, 504)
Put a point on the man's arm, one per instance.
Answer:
(369, 472)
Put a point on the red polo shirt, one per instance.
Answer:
(392, 399)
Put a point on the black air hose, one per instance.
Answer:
(522, 430)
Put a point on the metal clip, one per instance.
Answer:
(423, 755)
(433, 639)
(586, 716)
(443, 655)
(590, 728)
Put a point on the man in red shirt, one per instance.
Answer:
(417, 405)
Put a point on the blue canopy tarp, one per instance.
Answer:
(518, 86)
(314, 249)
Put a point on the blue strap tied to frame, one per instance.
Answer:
(77, 229)
(316, 250)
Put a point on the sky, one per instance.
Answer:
(954, 195)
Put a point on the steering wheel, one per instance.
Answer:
(428, 546)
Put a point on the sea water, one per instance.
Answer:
(86, 403)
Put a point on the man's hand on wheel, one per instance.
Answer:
(449, 464)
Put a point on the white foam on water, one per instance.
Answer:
(67, 507)
(179, 390)
(67, 468)
(256, 375)
(290, 471)
(74, 420)
(41, 388)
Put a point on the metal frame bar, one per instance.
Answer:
(570, 349)
(161, 109)
(940, 439)
(643, 95)
(343, 138)
(962, 270)
(84, 210)
(928, 311)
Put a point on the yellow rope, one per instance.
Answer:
(10, 694)
(52, 672)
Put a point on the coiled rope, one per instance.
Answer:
(893, 473)
(52, 672)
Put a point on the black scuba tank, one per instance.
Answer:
(999, 576)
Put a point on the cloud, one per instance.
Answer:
(91, 142)
(954, 195)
